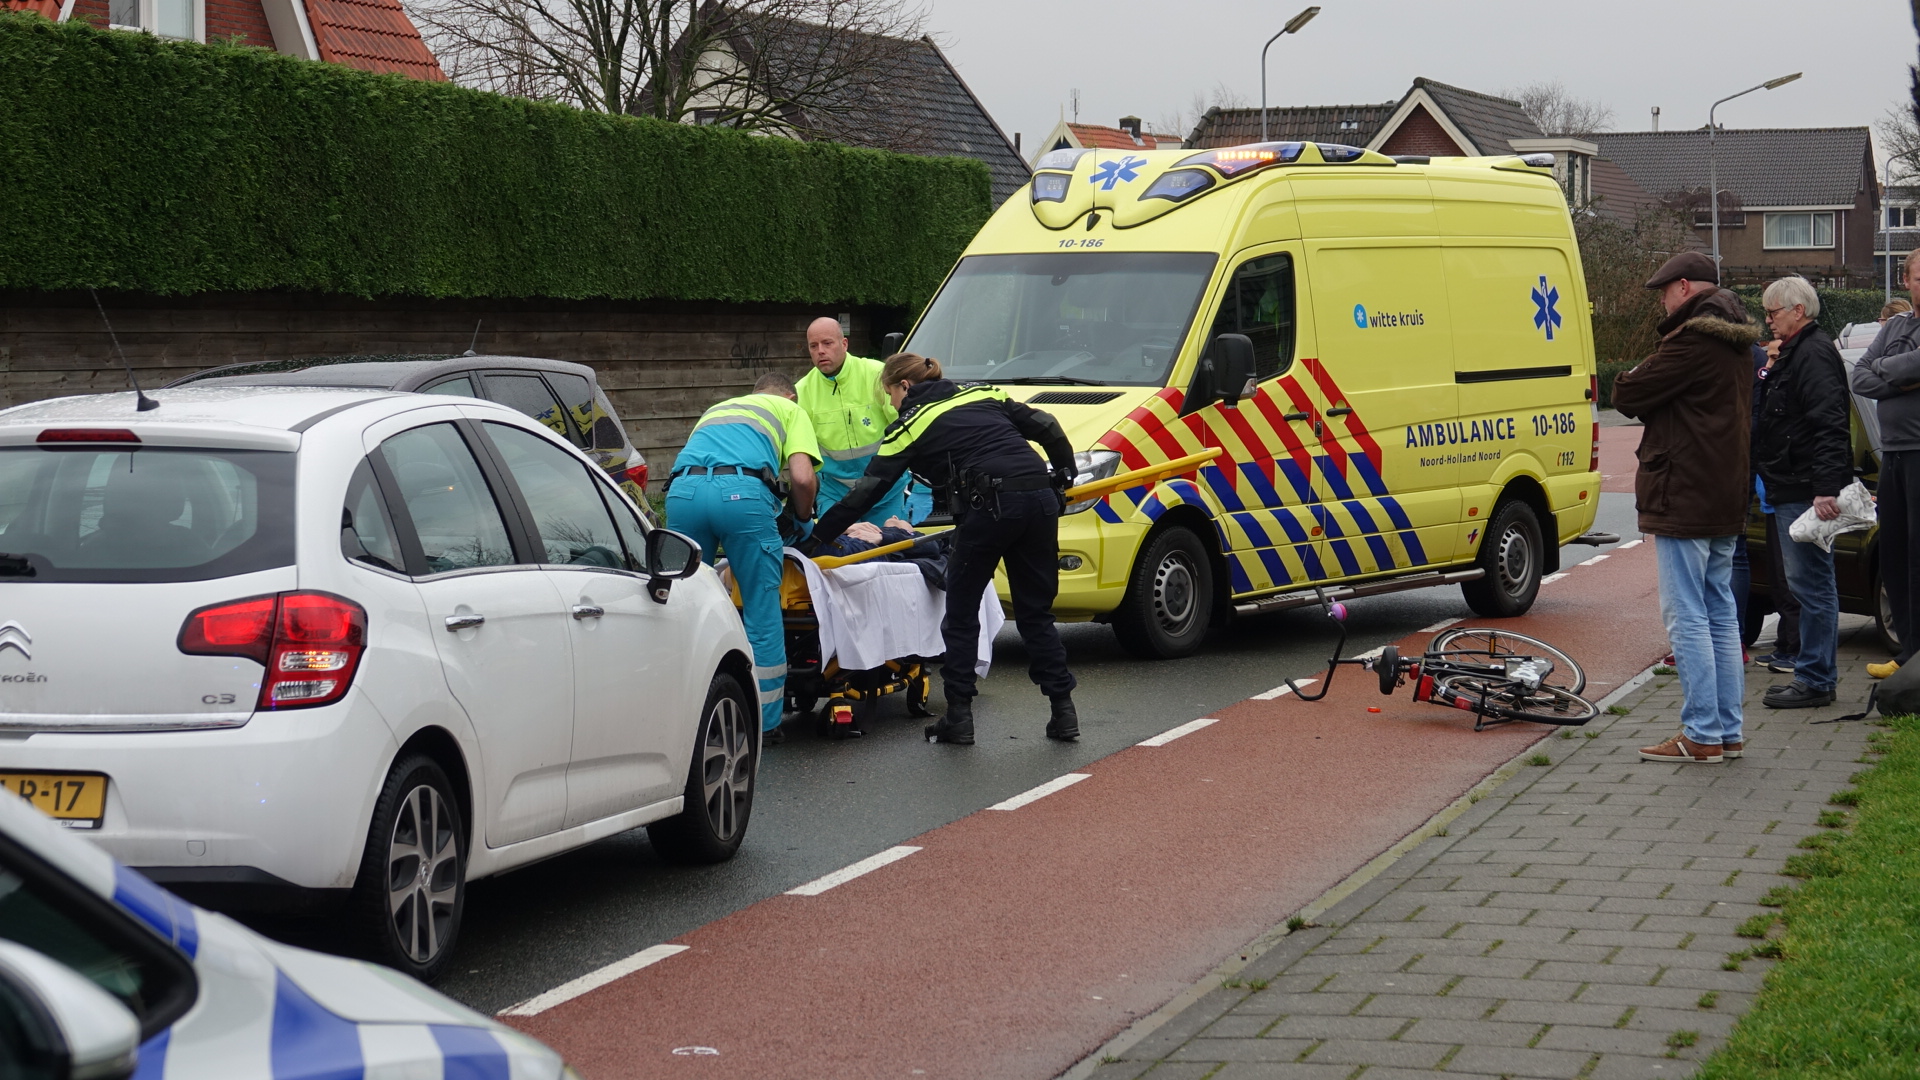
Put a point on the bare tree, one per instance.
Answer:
(804, 67)
(1900, 138)
(1557, 112)
(1618, 254)
(1181, 122)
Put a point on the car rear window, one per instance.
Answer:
(150, 514)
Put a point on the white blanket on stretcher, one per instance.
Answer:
(876, 611)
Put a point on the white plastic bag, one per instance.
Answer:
(1856, 513)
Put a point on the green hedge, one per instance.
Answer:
(170, 167)
(1838, 307)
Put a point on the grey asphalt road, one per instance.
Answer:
(823, 804)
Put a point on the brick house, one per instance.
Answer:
(372, 35)
(1792, 200)
(1131, 134)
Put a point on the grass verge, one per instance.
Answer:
(1844, 1003)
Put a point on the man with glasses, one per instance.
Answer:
(1889, 373)
(1801, 449)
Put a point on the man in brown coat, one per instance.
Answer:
(1694, 394)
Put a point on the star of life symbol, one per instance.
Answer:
(15, 636)
(1110, 173)
(1544, 298)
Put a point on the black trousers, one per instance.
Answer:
(1027, 538)
(1786, 636)
(1899, 510)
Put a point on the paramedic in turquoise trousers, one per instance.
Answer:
(722, 495)
(850, 412)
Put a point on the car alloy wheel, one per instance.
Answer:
(726, 767)
(423, 874)
(718, 798)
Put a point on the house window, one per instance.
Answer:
(166, 18)
(706, 117)
(1800, 230)
(1729, 219)
(1902, 217)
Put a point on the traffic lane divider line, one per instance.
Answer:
(1590, 562)
(1035, 794)
(853, 870)
(1436, 627)
(592, 980)
(1283, 690)
(1631, 544)
(1171, 734)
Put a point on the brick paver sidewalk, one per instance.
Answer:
(1575, 922)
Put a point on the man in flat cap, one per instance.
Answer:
(1694, 394)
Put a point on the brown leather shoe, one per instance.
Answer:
(1682, 750)
(1732, 749)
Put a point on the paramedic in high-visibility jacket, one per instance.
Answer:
(849, 410)
(726, 494)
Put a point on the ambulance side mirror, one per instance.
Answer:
(891, 344)
(1232, 358)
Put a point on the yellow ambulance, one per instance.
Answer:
(1393, 354)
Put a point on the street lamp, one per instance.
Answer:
(1293, 27)
(1713, 163)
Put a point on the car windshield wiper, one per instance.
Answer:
(1051, 380)
(16, 566)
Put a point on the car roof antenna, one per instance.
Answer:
(142, 403)
(475, 341)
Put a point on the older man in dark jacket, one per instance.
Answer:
(1801, 451)
(1889, 373)
(1694, 395)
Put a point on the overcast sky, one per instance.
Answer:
(1149, 57)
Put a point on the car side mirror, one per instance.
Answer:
(891, 344)
(1232, 356)
(671, 556)
(69, 1027)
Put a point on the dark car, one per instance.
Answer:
(1856, 555)
(565, 397)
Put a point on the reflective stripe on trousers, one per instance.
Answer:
(736, 514)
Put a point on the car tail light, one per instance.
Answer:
(309, 642)
(1593, 395)
(87, 435)
(637, 474)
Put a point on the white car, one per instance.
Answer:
(102, 972)
(279, 645)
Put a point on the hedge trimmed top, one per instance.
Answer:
(171, 167)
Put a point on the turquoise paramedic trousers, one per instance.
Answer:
(837, 479)
(735, 515)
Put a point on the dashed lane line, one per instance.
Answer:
(1631, 544)
(592, 980)
(1036, 794)
(1283, 689)
(1551, 578)
(1171, 734)
(1436, 627)
(1595, 559)
(847, 873)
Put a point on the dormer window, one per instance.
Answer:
(165, 18)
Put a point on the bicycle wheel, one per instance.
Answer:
(1511, 701)
(1486, 645)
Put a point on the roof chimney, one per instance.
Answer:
(1131, 125)
(1656, 118)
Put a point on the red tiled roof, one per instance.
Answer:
(49, 8)
(1097, 137)
(372, 35)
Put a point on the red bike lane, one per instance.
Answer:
(1013, 943)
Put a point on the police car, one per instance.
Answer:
(351, 649)
(103, 972)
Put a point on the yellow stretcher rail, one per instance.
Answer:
(1097, 489)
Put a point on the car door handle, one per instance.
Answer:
(456, 623)
(588, 611)
(1294, 416)
(1340, 410)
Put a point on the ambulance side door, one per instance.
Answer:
(1386, 476)
(1263, 481)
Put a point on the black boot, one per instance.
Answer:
(957, 726)
(1065, 724)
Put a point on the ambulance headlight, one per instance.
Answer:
(1050, 187)
(1179, 185)
(1089, 466)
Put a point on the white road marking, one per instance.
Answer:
(1041, 792)
(1171, 734)
(1371, 654)
(1551, 578)
(1437, 627)
(1631, 544)
(1595, 559)
(1283, 689)
(592, 980)
(853, 870)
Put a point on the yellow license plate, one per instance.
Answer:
(76, 800)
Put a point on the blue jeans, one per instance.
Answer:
(1810, 576)
(735, 514)
(1696, 603)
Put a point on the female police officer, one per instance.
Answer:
(972, 439)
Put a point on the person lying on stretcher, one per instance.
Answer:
(930, 557)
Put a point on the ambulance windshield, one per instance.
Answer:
(1096, 318)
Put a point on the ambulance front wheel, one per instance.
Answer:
(1169, 602)
(1512, 555)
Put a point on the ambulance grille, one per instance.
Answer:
(1074, 397)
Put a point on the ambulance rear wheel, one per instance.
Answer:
(1169, 602)
(1512, 555)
